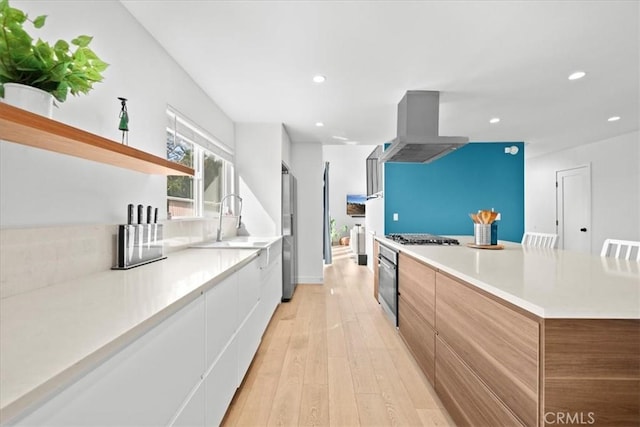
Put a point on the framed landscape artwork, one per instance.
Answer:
(356, 204)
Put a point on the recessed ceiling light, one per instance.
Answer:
(319, 78)
(494, 120)
(341, 138)
(613, 119)
(577, 75)
(319, 124)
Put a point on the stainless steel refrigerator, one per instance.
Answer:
(289, 270)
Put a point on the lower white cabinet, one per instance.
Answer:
(249, 287)
(193, 413)
(249, 337)
(144, 384)
(271, 283)
(221, 383)
(222, 316)
(208, 404)
(183, 372)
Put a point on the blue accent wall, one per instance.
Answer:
(437, 197)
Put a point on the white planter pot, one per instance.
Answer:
(29, 98)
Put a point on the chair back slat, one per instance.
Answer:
(539, 240)
(621, 249)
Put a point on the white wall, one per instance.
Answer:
(43, 188)
(307, 166)
(615, 187)
(259, 168)
(347, 175)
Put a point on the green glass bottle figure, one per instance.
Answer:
(124, 121)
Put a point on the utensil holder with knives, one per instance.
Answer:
(139, 244)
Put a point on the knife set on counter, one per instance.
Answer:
(140, 243)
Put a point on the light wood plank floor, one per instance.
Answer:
(330, 357)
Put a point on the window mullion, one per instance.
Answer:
(211, 169)
(198, 190)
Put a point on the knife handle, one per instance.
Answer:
(155, 216)
(130, 214)
(140, 213)
(149, 209)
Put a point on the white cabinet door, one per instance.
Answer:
(249, 337)
(222, 316)
(248, 288)
(271, 290)
(145, 384)
(220, 384)
(192, 415)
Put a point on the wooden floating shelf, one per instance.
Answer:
(23, 127)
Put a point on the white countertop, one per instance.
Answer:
(51, 336)
(549, 283)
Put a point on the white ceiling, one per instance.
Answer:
(507, 59)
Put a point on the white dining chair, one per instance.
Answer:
(621, 249)
(539, 240)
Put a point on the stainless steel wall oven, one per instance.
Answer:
(388, 281)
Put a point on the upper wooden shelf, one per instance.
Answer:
(23, 127)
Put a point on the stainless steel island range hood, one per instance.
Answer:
(418, 140)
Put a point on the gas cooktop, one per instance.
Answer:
(422, 239)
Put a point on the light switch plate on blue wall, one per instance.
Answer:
(437, 197)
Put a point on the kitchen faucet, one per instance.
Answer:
(219, 234)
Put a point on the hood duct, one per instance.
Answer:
(418, 140)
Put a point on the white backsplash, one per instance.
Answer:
(32, 258)
(178, 234)
(37, 257)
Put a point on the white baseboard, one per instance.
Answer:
(309, 280)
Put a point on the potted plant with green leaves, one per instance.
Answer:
(52, 71)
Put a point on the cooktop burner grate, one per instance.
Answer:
(422, 239)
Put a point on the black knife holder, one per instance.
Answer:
(138, 244)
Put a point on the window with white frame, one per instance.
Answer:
(200, 195)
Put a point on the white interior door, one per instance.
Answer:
(573, 208)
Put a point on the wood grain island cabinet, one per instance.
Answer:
(416, 311)
(592, 368)
(493, 363)
(497, 344)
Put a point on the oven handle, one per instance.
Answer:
(382, 261)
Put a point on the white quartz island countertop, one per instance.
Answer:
(549, 283)
(51, 336)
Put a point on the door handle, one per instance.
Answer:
(583, 229)
(385, 264)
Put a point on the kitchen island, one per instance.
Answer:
(111, 344)
(523, 336)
